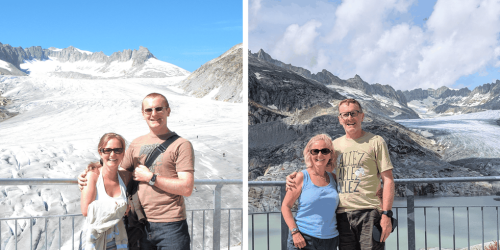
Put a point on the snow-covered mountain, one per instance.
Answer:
(219, 79)
(446, 101)
(79, 64)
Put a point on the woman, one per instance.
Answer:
(315, 225)
(104, 199)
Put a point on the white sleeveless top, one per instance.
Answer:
(101, 191)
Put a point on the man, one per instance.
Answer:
(364, 159)
(163, 185)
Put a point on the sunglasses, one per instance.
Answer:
(346, 115)
(324, 151)
(158, 109)
(108, 151)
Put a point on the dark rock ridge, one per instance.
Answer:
(281, 91)
(325, 77)
(278, 73)
(16, 55)
(224, 74)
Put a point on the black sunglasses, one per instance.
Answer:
(324, 151)
(109, 150)
(158, 109)
(346, 115)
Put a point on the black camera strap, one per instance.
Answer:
(159, 150)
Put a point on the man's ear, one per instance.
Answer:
(168, 111)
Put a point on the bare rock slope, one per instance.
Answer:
(220, 78)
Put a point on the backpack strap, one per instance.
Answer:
(159, 150)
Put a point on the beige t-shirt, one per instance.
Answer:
(359, 165)
(159, 205)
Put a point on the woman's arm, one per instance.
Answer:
(89, 191)
(286, 209)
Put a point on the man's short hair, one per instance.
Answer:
(153, 96)
(349, 101)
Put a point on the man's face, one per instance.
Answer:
(352, 125)
(155, 119)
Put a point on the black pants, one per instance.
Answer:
(356, 229)
(313, 243)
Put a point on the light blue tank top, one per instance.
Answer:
(316, 212)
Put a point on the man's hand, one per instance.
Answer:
(290, 182)
(142, 173)
(82, 181)
(298, 240)
(385, 223)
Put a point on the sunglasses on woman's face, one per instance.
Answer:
(324, 151)
(108, 151)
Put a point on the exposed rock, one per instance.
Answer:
(222, 75)
(397, 110)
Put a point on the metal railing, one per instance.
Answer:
(410, 210)
(216, 211)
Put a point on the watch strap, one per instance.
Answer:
(153, 180)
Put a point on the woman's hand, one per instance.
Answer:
(290, 182)
(298, 240)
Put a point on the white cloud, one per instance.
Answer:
(297, 41)
(377, 41)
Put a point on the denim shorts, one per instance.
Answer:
(166, 235)
(313, 243)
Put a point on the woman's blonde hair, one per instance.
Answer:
(332, 162)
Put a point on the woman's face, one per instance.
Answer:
(320, 160)
(112, 159)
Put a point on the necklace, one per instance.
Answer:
(322, 177)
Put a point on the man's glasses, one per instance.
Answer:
(108, 151)
(158, 109)
(324, 151)
(346, 115)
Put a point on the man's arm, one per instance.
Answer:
(387, 201)
(183, 185)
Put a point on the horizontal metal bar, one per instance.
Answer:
(47, 181)
(46, 216)
(76, 215)
(400, 181)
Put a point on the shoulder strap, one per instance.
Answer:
(160, 149)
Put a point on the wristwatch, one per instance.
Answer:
(295, 230)
(153, 180)
(388, 213)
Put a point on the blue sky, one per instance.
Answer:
(184, 33)
(407, 44)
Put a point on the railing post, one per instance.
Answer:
(410, 206)
(216, 217)
(284, 227)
